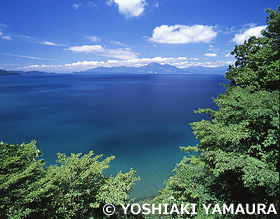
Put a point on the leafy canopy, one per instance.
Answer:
(77, 188)
(237, 157)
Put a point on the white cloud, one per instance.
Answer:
(213, 49)
(229, 30)
(3, 25)
(93, 38)
(239, 38)
(116, 42)
(228, 55)
(5, 37)
(33, 40)
(109, 2)
(22, 56)
(86, 48)
(120, 53)
(49, 43)
(23, 37)
(129, 8)
(180, 34)
(77, 5)
(210, 54)
(91, 4)
(215, 64)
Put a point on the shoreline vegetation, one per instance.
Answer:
(235, 162)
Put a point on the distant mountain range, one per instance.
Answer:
(3, 72)
(156, 68)
(152, 68)
(31, 72)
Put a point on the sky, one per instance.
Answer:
(65, 36)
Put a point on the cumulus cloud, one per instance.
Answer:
(120, 53)
(180, 34)
(239, 38)
(210, 54)
(129, 8)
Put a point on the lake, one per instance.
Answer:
(140, 119)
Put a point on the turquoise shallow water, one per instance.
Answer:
(141, 119)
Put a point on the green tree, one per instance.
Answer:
(237, 157)
(258, 59)
(18, 170)
(77, 188)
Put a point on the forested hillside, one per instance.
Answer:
(237, 157)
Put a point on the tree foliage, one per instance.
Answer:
(237, 157)
(258, 59)
(77, 188)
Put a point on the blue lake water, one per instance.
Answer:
(141, 119)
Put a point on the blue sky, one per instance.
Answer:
(74, 35)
